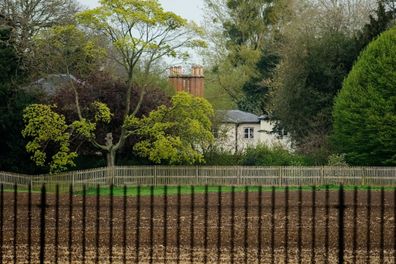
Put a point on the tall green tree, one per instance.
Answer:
(141, 33)
(12, 102)
(177, 134)
(66, 49)
(30, 17)
(365, 109)
(242, 57)
(383, 18)
(317, 52)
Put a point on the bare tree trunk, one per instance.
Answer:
(111, 154)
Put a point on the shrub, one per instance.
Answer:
(222, 158)
(337, 160)
(263, 155)
(365, 110)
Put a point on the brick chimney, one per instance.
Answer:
(192, 83)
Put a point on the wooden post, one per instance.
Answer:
(196, 175)
(363, 177)
(73, 180)
(280, 176)
(155, 175)
(322, 181)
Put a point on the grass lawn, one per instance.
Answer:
(184, 190)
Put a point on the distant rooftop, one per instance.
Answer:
(237, 117)
(52, 82)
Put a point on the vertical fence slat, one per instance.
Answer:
(151, 223)
(124, 224)
(97, 225)
(299, 226)
(286, 237)
(232, 238)
(178, 224)
(56, 224)
(192, 221)
(137, 227)
(111, 218)
(341, 226)
(382, 206)
(354, 235)
(219, 222)
(29, 242)
(260, 223)
(15, 222)
(165, 224)
(43, 207)
(273, 225)
(84, 223)
(206, 216)
(70, 243)
(368, 224)
(1, 223)
(313, 225)
(246, 222)
(327, 220)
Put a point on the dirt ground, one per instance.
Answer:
(217, 247)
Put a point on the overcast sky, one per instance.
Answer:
(189, 9)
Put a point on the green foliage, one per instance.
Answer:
(242, 56)
(45, 126)
(383, 19)
(337, 160)
(175, 134)
(365, 109)
(8, 55)
(263, 155)
(316, 57)
(102, 112)
(13, 100)
(84, 128)
(141, 31)
(222, 158)
(67, 49)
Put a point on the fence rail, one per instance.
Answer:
(208, 175)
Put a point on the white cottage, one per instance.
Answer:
(236, 130)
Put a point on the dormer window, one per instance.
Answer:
(249, 132)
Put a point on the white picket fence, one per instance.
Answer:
(207, 175)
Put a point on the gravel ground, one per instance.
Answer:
(166, 251)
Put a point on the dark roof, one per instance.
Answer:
(52, 82)
(236, 117)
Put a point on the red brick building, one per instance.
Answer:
(192, 83)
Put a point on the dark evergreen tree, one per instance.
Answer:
(365, 109)
(13, 100)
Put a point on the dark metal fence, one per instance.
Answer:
(198, 225)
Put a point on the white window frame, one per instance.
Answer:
(248, 133)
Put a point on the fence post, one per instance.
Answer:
(196, 175)
(341, 226)
(280, 176)
(73, 179)
(43, 205)
(322, 181)
(363, 177)
(239, 175)
(155, 175)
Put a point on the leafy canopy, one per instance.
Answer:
(365, 109)
(141, 31)
(176, 134)
(45, 126)
(67, 49)
(49, 132)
